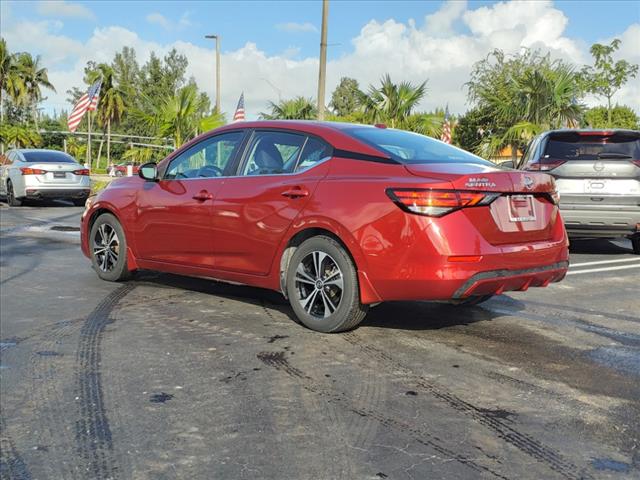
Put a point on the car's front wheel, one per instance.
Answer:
(108, 246)
(322, 286)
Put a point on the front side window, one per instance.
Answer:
(206, 159)
(412, 148)
(273, 153)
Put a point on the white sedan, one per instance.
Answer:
(42, 174)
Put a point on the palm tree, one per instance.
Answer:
(392, 103)
(526, 93)
(19, 136)
(34, 77)
(298, 108)
(11, 81)
(545, 100)
(181, 116)
(111, 104)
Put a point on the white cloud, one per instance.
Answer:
(406, 50)
(61, 8)
(156, 18)
(293, 27)
(440, 23)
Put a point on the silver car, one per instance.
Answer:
(42, 174)
(597, 175)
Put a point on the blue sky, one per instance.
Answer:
(277, 40)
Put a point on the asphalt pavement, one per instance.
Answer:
(167, 377)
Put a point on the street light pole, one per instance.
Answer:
(217, 39)
(323, 59)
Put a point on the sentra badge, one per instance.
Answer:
(479, 182)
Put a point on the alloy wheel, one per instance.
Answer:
(319, 283)
(106, 247)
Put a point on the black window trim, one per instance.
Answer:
(246, 152)
(227, 169)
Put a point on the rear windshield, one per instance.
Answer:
(412, 148)
(574, 146)
(49, 156)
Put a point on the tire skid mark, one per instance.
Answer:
(41, 397)
(508, 433)
(93, 434)
(278, 361)
(50, 405)
(12, 466)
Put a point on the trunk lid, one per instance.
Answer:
(523, 210)
(56, 173)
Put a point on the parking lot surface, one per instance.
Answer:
(168, 377)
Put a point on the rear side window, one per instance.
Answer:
(588, 146)
(314, 151)
(272, 153)
(47, 156)
(412, 148)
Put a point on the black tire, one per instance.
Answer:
(79, 202)
(474, 300)
(110, 270)
(349, 311)
(635, 244)
(11, 199)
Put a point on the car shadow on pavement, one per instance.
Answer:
(600, 246)
(393, 315)
(431, 315)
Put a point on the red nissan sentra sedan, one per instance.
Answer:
(335, 216)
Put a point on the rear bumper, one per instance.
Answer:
(38, 193)
(497, 281)
(602, 222)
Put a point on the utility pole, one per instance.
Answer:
(217, 39)
(323, 59)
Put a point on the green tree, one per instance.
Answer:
(392, 103)
(619, 116)
(19, 136)
(111, 104)
(181, 116)
(524, 94)
(346, 98)
(299, 108)
(35, 77)
(11, 79)
(472, 128)
(606, 77)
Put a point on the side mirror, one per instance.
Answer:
(149, 172)
(508, 164)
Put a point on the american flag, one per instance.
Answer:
(446, 127)
(88, 101)
(239, 115)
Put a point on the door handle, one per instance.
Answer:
(202, 196)
(296, 192)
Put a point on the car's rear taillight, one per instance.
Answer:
(435, 203)
(636, 162)
(32, 171)
(543, 164)
(84, 171)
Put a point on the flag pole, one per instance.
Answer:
(89, 140)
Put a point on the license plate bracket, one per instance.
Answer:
(521, 208)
